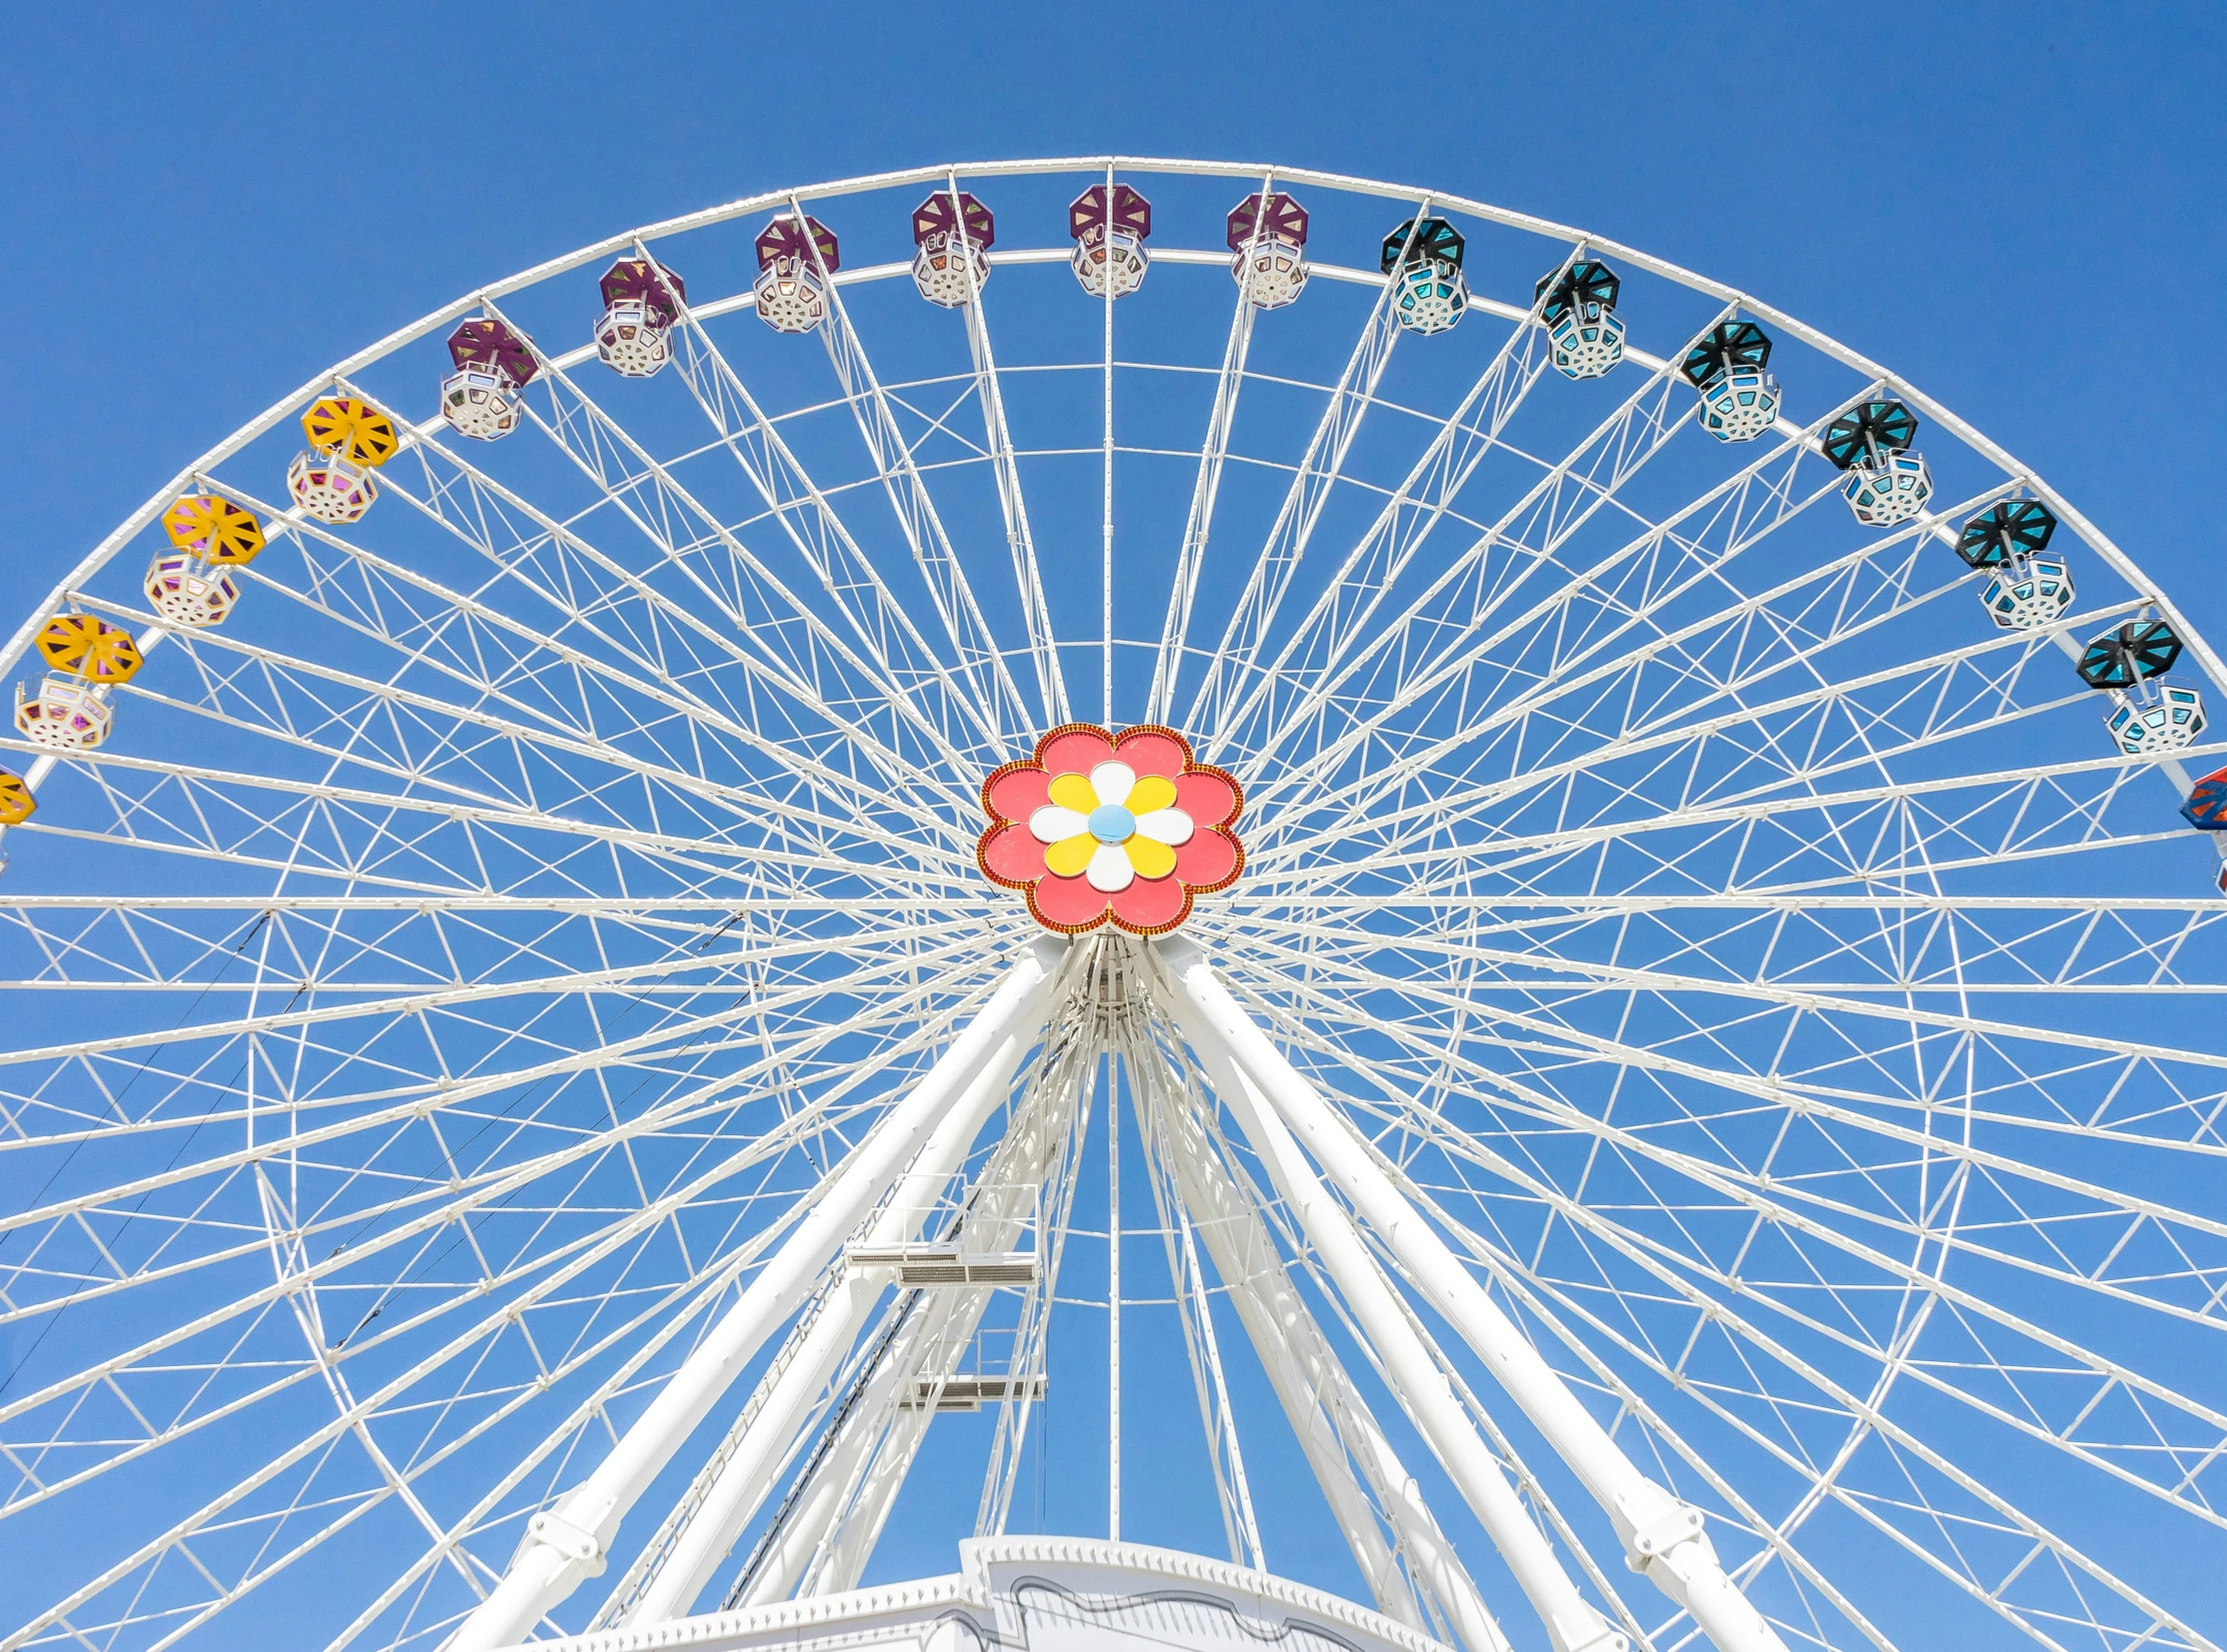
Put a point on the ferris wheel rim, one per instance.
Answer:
(2215, 666)
(1002, 932)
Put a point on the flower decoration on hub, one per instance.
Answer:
(1101, 828)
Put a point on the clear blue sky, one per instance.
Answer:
(2019, 206)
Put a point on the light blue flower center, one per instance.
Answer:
(1112, 823)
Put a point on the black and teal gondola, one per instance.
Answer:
(2129, 654)
(1868, 429)
(1586, 283)
(2006, 531)
(1728, 347)
(1418, 242)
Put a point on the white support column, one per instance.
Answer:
(1662, 1535)
(793, 1548)
(1112, 1288)
(568, 1543)
(1572, 1623)
(747, 1476)
(1310, 1381)
(846, 1499)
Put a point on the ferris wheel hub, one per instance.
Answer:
(651, 1124)
(1100, 827)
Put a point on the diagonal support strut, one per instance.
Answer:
(1663, 1536)
(567, 1544)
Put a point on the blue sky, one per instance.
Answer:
(2018, 206)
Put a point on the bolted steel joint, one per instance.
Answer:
(582, 1548)
(1651, 1526)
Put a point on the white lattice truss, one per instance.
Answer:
(1698, 1124)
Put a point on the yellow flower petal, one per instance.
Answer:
(1073, 792)
(1150, 858)
(1151, 793)
(1069, 855)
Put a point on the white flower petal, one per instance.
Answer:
(1111, 781)
(1166, 825)
(1051, 822)
(1110, 872)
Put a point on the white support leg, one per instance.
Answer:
(828, 1493)
(1113, 1299)
(1572, 1623)
(1327, 1411)
(1662, 1535)
(1156, 1092)
(568, 1543)
(748, 1475)
(847, 1500)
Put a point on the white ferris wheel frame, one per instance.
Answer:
(953, 176)
(1284, 1120)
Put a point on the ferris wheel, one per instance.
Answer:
(1105, 901)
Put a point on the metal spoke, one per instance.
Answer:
(514, 1061)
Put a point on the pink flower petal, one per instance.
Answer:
(1208, 796)
(1066, 904)
(1151, 905)
(1076, 752)
(1153, 752)
(1209, 861)
(1011, 856)
(1018, 793)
